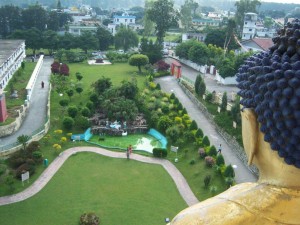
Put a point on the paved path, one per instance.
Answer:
(38, 106)
(46, 176)
(242, 174)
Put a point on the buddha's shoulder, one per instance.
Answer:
(247, 203)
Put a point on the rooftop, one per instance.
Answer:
(7, 48)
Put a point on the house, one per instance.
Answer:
(256, 44)
(126, 20)
(249, 28)
(12, 54)
(205, 22)
(198, 36)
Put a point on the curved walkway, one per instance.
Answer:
(46, 176)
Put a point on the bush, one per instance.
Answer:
(33, 146)
(82, 122)
(213, 190)
(160, 152)
(202, 153)
(16, 160)
(210, 161)
(89, 219)
(209, 97)
(192, 162)
(193, 125)
(220, 160)
(37, 155)
(189, 136)
(2, 169)
(207, 180)
(199, 133)
(85, 112)
(72, 111)
(229, 171)
(229, 181)
(206, 141)
(68, 122)
(24, 168)
(212, 151)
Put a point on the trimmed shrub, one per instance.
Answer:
(209, 97)
(72, 111)
(220, 160)
(193, 125)
(37, 155)
(85, 112)
(172, 96)
(82, 122)
(229, 181)
(212, 151)
(229, 171)
(68, 122)
(207, 180)
(89, 219)
(210, 161)
(202, 153)
(160, 152)
(158, 87)
(199, 133)
(184, 111)
(189, 136)
(192, 162)
(206, 141)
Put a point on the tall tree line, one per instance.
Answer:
(13, 18)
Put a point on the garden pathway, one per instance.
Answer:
(170, 85)
(49, 172)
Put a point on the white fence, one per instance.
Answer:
(33, 77)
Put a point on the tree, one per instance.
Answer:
(198, 53)
(78, 76)
(72, 111)
(129, 89)
(50, 41)
(68, 122)
(148, 24)
(64, 103)
(138, 60)
(152, 50)
(201, 88)
(67, 41)
(186, 14)
(79, 90)
(87, 40)
(224, 102)
(105, 38)
(23, 140)
(242, 7)
(10, 19)
(230, 30)
(64, 70)
(164, 123)
(102, 85)
(182, 50)
(70, 93)
(173, 133)
(126, 38)
(162, 13)
(193, 125)
(197, 82)
(35, 17)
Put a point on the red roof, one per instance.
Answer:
(264, 43)
(176, 63)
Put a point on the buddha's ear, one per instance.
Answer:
(250, 133)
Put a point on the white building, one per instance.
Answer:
(12, 53)
(197, 36)
(126, 20)
(249, 28)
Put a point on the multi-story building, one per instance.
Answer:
(12, 53)
(249, 28)
(126, 20)
(205, 23)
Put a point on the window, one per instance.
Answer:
(250, 29)
(245, 22)
(125, 20)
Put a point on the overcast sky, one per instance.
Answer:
(283, 1)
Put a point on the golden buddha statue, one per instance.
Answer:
(271, 134)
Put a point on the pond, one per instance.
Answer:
(144, 142)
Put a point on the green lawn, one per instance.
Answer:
(117, 190)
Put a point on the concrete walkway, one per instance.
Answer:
(46, 176)
(38, 105)
(242, 174)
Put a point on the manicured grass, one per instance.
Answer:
(19, 82)
(117, 190)
(195, 173)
